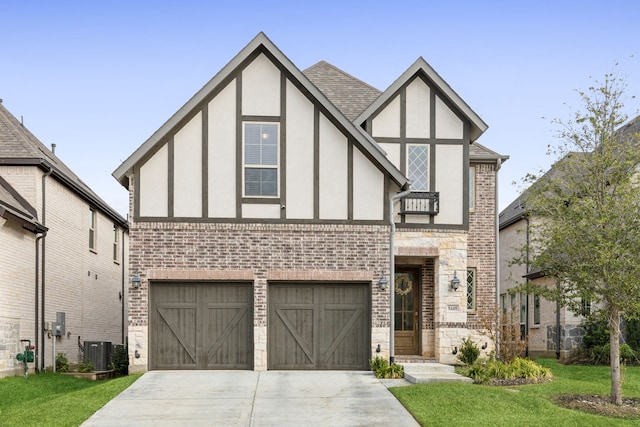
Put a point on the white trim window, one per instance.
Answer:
(261, 162)
(92, 229)
(116, 243)
(418, 167)
(472, 188)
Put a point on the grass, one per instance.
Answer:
(50, 399)
(531, 405)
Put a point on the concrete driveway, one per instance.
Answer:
(248, 398)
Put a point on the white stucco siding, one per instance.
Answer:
(187, 180)
(222, 154)
(299, 174)
(387, 123)
(333, 172)
(368, 186)
(418, 106)
(154, 184)
(449, 182)
(448, 125)
(261, 88)
(261, 211)
(393, 153)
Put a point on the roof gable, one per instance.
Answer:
(260, 44)
(478, 126)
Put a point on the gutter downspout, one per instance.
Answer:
(44, 238)
(37, 289)
(497, 239)
(527, 268)
(392, 270)
(122, 291)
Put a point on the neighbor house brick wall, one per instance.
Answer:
(86, 285)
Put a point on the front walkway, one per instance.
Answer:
(249, 398)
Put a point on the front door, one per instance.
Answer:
(407, 309)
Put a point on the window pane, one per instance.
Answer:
(269, 155)
(417, 166)
(252, 154)
(260, 182)
(471, 289)
(472, 188)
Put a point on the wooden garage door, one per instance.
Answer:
(319, 326)
(201, 326)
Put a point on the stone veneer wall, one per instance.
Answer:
(257, 252)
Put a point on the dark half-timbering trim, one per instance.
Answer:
(283, 145)
(261, 200)
(239, 160)
(350, 179)
(205, 160)
(261, 118)
(316, 163)
(171, 177)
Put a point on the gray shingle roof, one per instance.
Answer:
(479, 152)
(18, 146)
(14, 205)
(350, 95)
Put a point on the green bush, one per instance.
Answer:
(120, 360)
(85, 366)
(62, 363)
(596, 331)
(469, 352)
(518, 369)
(601, 354)
(382, 369)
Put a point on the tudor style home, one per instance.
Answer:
(550, 330)
(62, 250)
(260, 228)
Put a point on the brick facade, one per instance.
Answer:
(86, 285)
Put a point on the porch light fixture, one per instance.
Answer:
(455, 282)
(135, 281)
(383, 282)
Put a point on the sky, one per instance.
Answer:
(98, 78)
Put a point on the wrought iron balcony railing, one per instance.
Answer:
(421, 203)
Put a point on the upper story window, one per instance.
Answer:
(536, 309)
(261, 159)
(92, 229)
(116, 243)
(417, 167)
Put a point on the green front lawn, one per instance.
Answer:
(457, 404)
(50, 399)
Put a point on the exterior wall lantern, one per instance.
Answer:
(135, 281)
(383, 282)
(455, 282)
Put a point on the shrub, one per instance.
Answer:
(85, 366)
(518, 369)
(596, 331)
(62, 363)
(382, 369)
(120, 360)
(469, 352)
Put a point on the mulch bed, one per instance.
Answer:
(601, 405)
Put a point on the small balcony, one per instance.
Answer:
(421, 203)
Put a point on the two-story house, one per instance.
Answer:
(62, 250)
(550, 330)
(260, 221)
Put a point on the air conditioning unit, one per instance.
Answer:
(99, 353)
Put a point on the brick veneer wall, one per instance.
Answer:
(259, 252)
(482, 244)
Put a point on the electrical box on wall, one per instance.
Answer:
(59, 326)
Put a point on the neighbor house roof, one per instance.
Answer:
(19, 147)
(478, 126)
(349, 94)
(479, 153)
(13, 205)
(260, 42)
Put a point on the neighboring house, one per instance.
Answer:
(62, 249)
(260, 223)
(539, 319)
